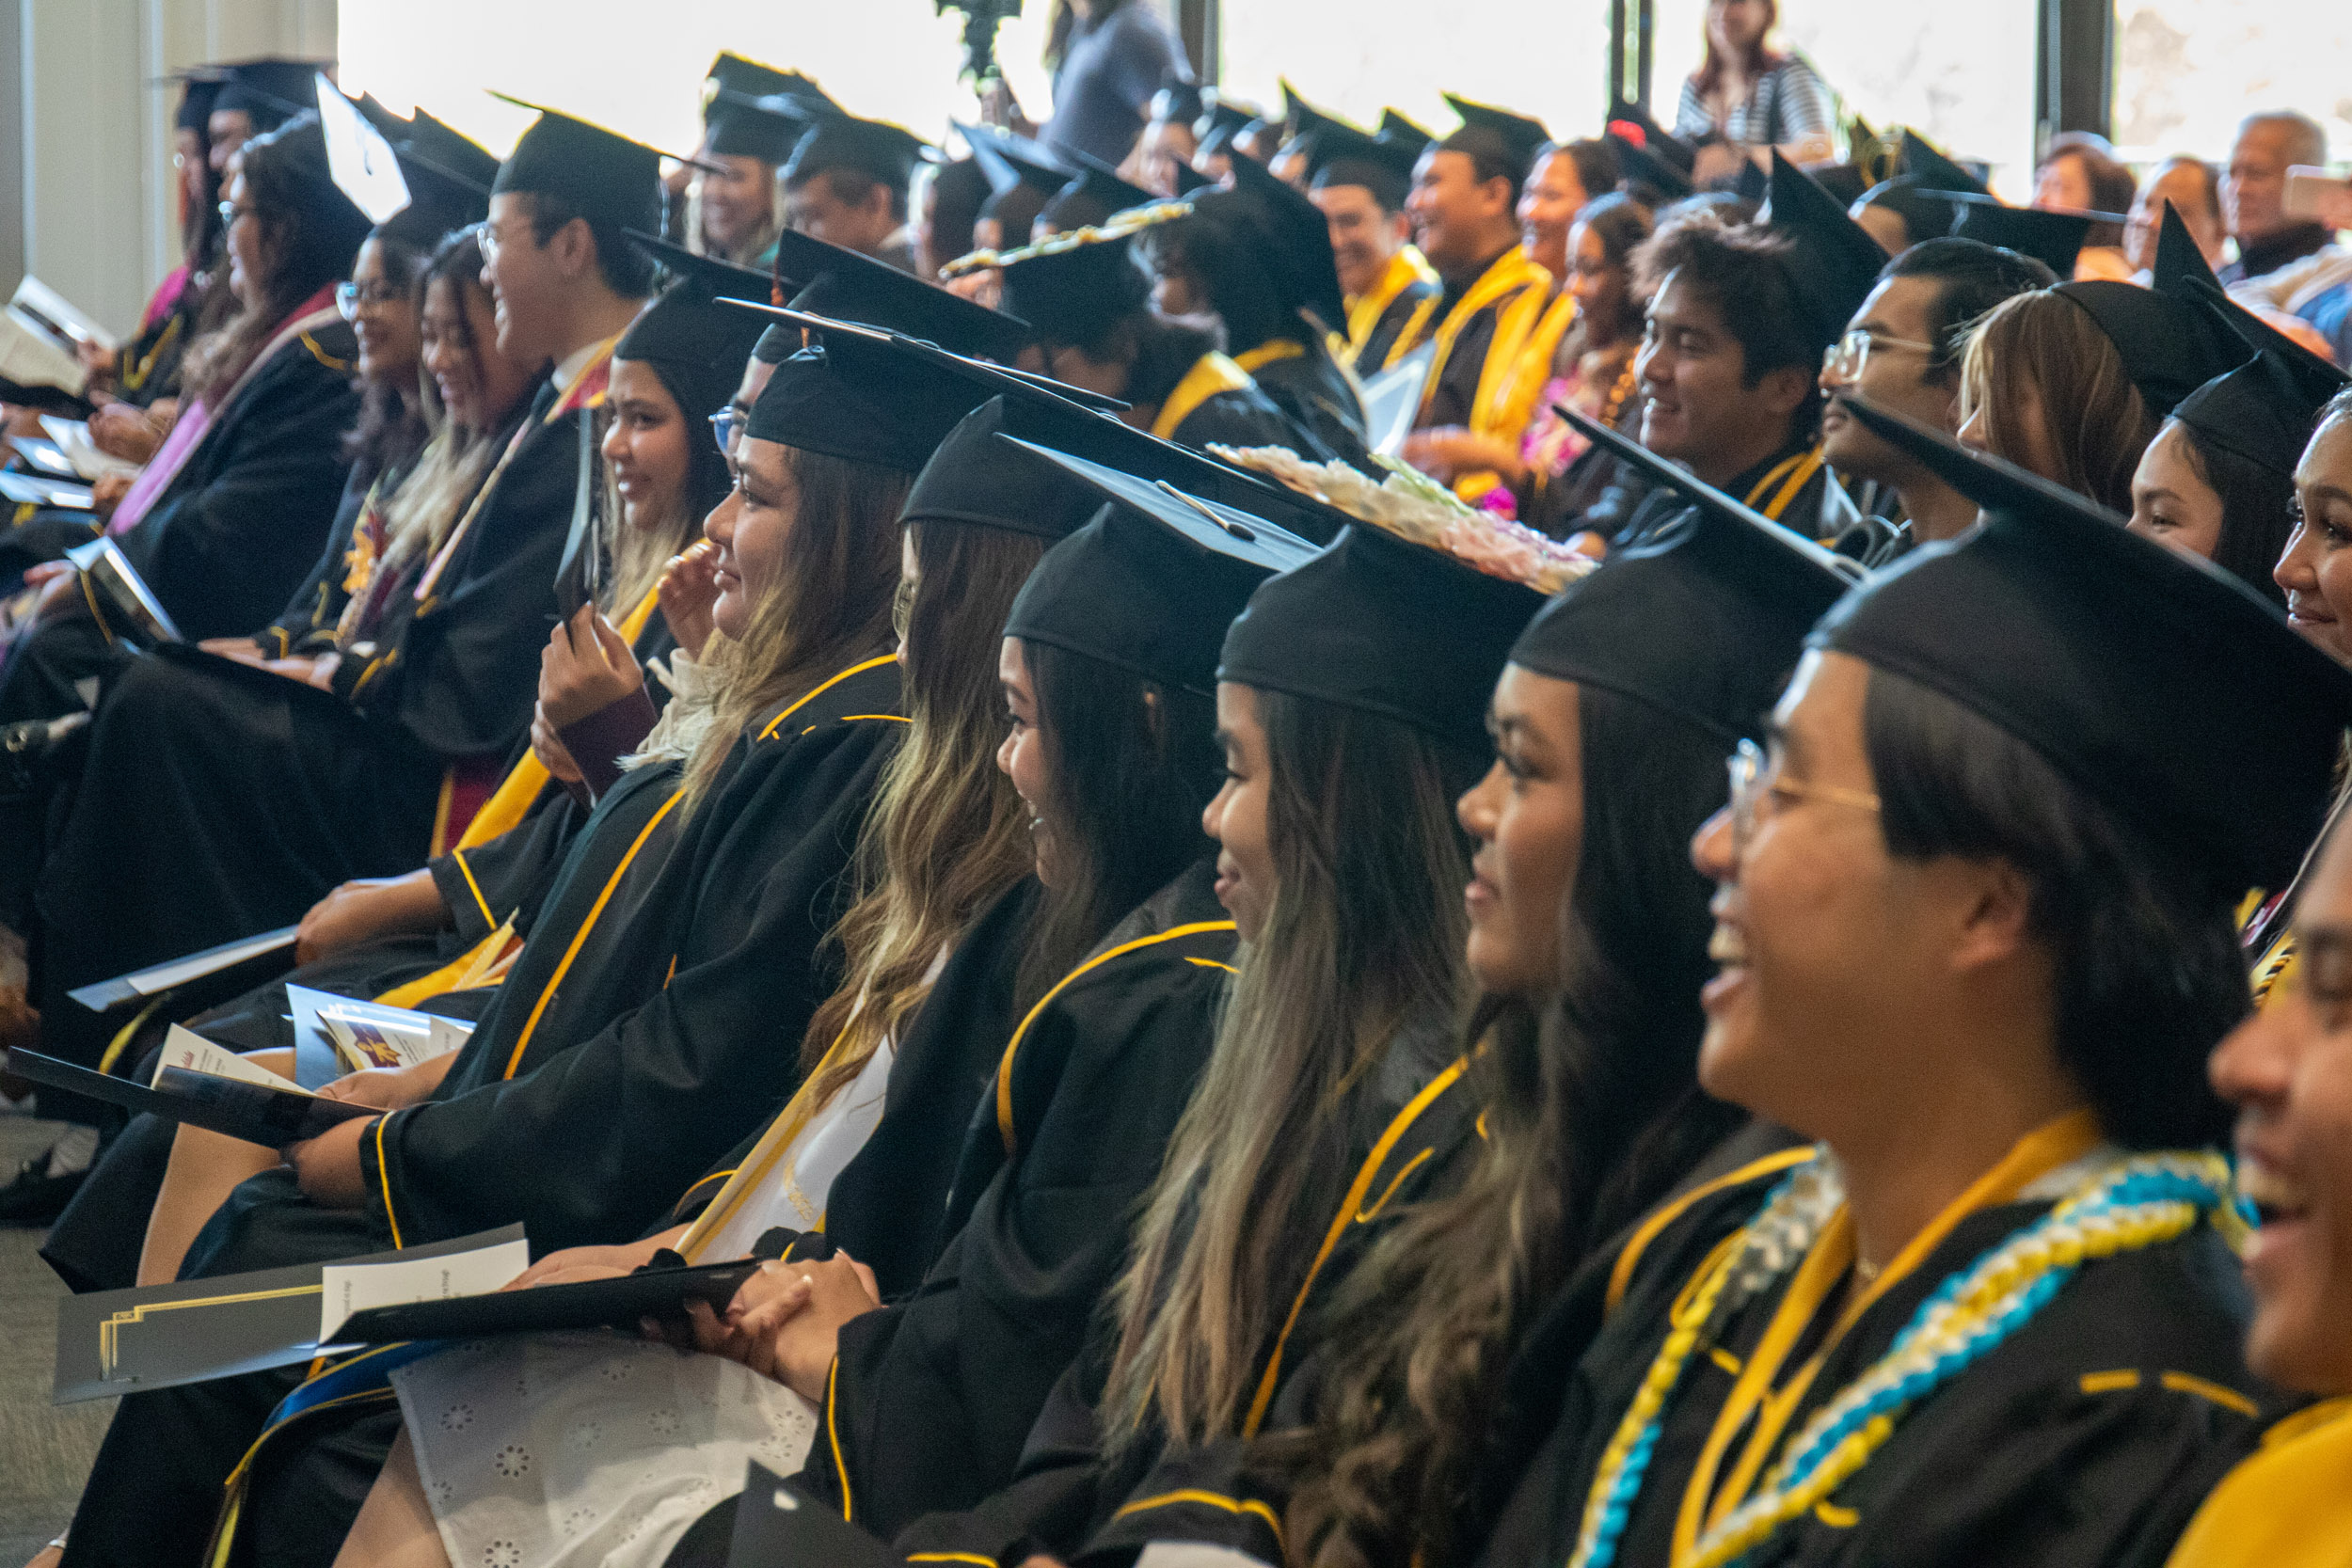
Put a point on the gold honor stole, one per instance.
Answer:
(1406, 268)
(1526, 373)
(1520, 288)
(1212, 374)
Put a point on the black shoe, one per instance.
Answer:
(34, 1199)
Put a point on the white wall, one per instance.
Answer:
(99, 222)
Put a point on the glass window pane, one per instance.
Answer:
(1542, 57)
(2187, 71)
(1960, 75)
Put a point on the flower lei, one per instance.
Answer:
(2131, 1204)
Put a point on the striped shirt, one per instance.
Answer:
(1785, 105)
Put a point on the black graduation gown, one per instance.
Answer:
(1312, 392)
(1410, 1133)
(219, 799)
(1372, 354)
(1236, 416)
(931, 1397)
(1788, 487)
(603, 1119)
(1454, 397)
(2088, 1437)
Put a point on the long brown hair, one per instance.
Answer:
(1760, 60)
(829, 607)
(1362, 947)
(947, 834)
(1592, 1111)
(2043, 348)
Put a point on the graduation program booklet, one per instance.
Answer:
(272, 1114)
(39, 334)
(102, 562)
(114, 1343)
(356, 1036)
(268, 948)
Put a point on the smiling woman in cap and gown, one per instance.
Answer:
(1994, 1315)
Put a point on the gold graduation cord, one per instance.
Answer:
(1351, 1209)
(1406, 268)
(773, 1146)
(1004, 1067)
(1791, 474)
(1826, 1265)
(1273, 352)
(134, 376)
(1212, 374)
(1621, 1274)
(510, 801)
(1525, 376)
(1510, 274)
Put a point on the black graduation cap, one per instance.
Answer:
(1178, 99)
(2051, 237)
(1520, 135)
(447, 156)
(2265, 410)
(303, 142)
(1190, 180)
(1307, 122)
(2168, 349)
(601, 173)
(1394, 127)
(741, 126)
(1011, 162)
(2163, 687)
(860, 394)
(1297, 238)
(1093, 196)
(1752, 184)
(1638, 166)
(1072, 287)
(1836, 264)
(1384, 626)
(2181, 272)
(1219, 111)
(1844, 182)
(873, 148)
(1150, 584)
(733, 73)
(713, 278)
(199, 89)
(1935, 171)
(973, 481)
(1660, 142)
(1926, 214)
(847, 285)
(271, 90)
(391, 127)
(1346, 156)
(697, 347)
(1753, 585)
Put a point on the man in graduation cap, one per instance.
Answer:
(1740, 318)
(256, 96)
(1465, 209)
(1391, 291)
(846, 183)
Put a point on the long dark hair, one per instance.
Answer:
(2256, 513)
(1592, 1112)
(393, 424)
(947, 834)
(1362, 948)
(1133, 762)
(2143, 948)
(829, 607)
(309, 243)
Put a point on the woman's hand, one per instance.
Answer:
(688, 588)
(106, 492)
(60, 597)
(119, 429)
(371, 907)
(1449, 451)
(328, 1165)
(786, 1321)
(550, 752)
(593, 1262)
(242, 649)
(391, 1088)
(585, 668)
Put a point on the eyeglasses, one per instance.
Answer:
(352, 298)
(1846, 357)
(724, 425)
(230, 212)
(1755, 777)
(491, 240)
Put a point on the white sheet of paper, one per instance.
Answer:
(148, 982)
(355, 1287)
(184, 1048)
(369, 1035)
(448, 1034)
